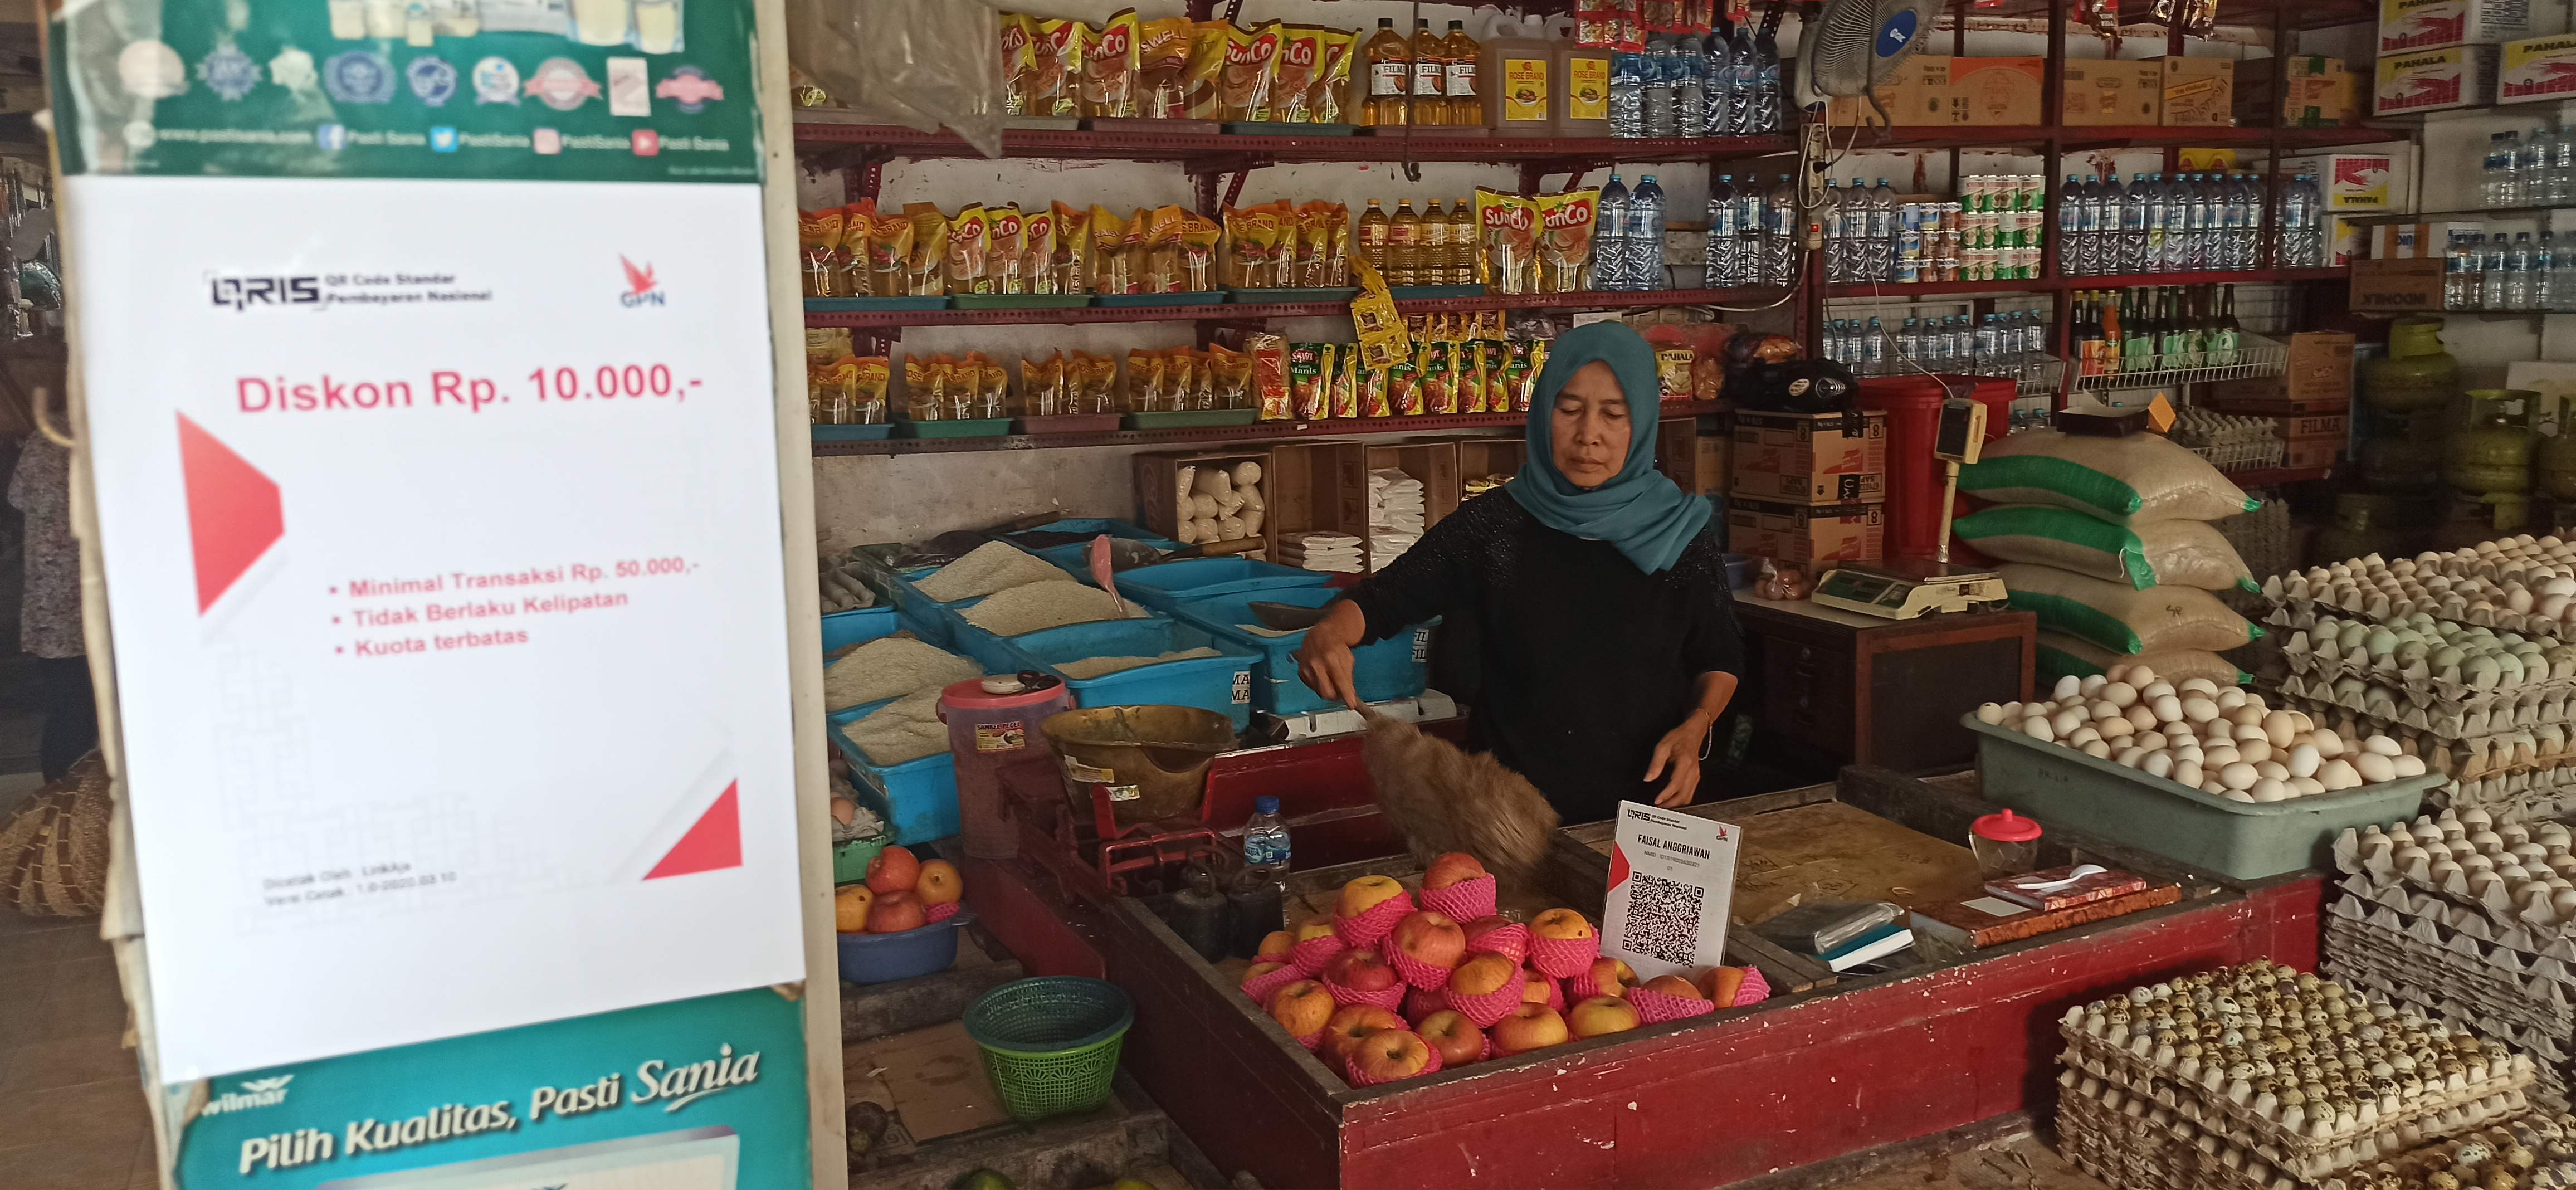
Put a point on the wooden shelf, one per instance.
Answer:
(1265, 431)
(1893, 292)
(2073, 138)
(1257, 311)
(818, 128)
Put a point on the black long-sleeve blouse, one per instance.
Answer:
(1587, 661)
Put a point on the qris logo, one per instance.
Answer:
(242, 293)
(641, 288)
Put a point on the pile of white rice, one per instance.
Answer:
(890, 667)
(1051, 604)
(906, 729)
(992, 566)
(1093, 667)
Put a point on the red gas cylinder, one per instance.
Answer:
(993, 722)
(1913, 406)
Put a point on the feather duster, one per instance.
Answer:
(1441, 799)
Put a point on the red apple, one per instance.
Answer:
(1352, 1022)
(1257, 970)
(1302, 1008)
(1611, 977)
(896, 912)
(1457, 867)
(1361, 895)
(1457, 1038)
(1275, 946)
(1315, 927)
(893, 870)
(1535, 988)
(1485, 925)
(1391, 1054)
(1529, 1027)
(1601, 1015)
(1721, 984)
(1430, 938)
(1482, 975)
(1560, 923)
(1674, 985)
(1361, 970)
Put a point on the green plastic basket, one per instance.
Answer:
(1051, 1044)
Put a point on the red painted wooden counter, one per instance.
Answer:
(1799, 1079)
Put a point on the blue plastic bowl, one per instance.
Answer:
(884, 958)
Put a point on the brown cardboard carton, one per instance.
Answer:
(1997, 92)
(2109, 93)
(2199, 92)
(2269, 397)
(2397, 286)
(1810, 458)
(2313, 452)
(1809, 537)
(2335, 427)
(1916, 95)
(2320, 366)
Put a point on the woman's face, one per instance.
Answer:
(1588, 431)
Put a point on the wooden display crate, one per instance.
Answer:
(1158, 482)
(1480, 457)
(1435, 464)
(1318, 487)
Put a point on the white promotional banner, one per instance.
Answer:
(441, 534)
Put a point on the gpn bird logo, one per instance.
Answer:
(641, 288)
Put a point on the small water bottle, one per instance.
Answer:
(2455, 275)
(1645, 268)
(1873, 348)
(1690, 89)
(2491, 275)
(2517, 273)
(1627, 95)
(1612, 224)
(1260, 896)
(1660, 68)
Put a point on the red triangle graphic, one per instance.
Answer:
(715, 842)
(233, 511)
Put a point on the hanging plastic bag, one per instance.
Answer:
(918, 63)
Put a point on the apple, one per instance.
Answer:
(1431, 939)
(1352, 1022)
(1721, 984)
(1602, 1015)
(1317, 927)
(1560, 923)
(1276, 945)
(939, 883)
(893, 870)
(1482, 975)
(1390, 1054)
(1611, 977)
(1485, 925)
(1457, 867)
(1422, 1002)
(1535, 990)
(1366, 893)
(1302, 1008)
(1675, 986)
(896, 912)
(1361, 970)
(1529, 1027)
(1456, 1038)
(1257, 970)
(850, 909)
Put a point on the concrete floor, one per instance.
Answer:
(71, 1097)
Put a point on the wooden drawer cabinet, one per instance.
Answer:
(1861, 690)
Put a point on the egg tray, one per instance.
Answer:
(2459, 757)
(2302, 1157)
(2451, 682)
(2547, 953)
(2555, 916)
(2527, 795)
(2500, 711)
(2484, 1157)
(2427, 977)
(2501, 982)
(2540, 1041)
(2380, 608)
(2123, 1140)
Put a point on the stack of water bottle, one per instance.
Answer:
(2482, 271)
(1752, 232)
(1628, 237)
(1989, 233)
(1727, 85)
(2192, 223)
(2534, 171)
(2012, 343)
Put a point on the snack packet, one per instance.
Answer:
(1019, 65)
(1470, 363)
(1093, 382)
(886, 250)
(1382, 340)
(858, 222)
(1292, 75)
(1037, 252)
(1439, 379)
(1404, 389)
(1269, 354)
(1042, 388)
(1565, 242)
(1230, 378)
(1061, 46)
(1337, 256)
(1072, 258)
(1199, 238)
(1375, 400)
(1310, 380)
(1315, 224)
(1162, 269)
(1187, 380)
(1109, 272)
(1507, 260)
(1332, 77)
(1109, 70)
(926, 269)
(1139, 245)
(1162, 68)
(1008, 248)
(1528, 388)
(921, 389)
(868, 402)
(1346, 381)
(970, 244)
(1251, 62)
(1202, 86)
(1673, 372)
(818, 239)
(1145, 381)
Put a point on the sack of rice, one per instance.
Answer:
(2061, 655)
(2155, 553)
(2140, 477)
(2122, 618)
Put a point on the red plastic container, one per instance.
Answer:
(993, 722)
(1913, 405)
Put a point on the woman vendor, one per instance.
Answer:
(1609, 645)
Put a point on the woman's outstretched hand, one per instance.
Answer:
(1679, 750)
(1324, 660)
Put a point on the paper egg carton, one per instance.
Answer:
(2511, 872)
(2545, 952)
(2437, 964)
(2469, 755)
(2440, 658)
(2541, 1042)
(2126, 1139)
(2524, 583)
(2520, 796)
(2530, 1152)
(2490, 713)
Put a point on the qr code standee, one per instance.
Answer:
(1663, 918)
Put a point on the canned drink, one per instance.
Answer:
(1909, 272)
(1949, 268)
(1909, 245)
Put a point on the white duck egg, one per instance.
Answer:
(2238, 775)
(2303, 761)
(2066, 721)
(2157, 763)
(1990, 713)
(2091, 684)
(2037, 728)
(2119, 694)
(2067, 687)
(2375, 768)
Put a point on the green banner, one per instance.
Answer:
(538, 90)
(707, 1092)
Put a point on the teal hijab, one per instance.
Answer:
(1644, 515)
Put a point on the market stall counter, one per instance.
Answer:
(1829, 1065)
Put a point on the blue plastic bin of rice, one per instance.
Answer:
(917, 798)
(1397, 667)
(1166, 585)
(1222, 683)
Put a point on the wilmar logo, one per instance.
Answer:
(242, 293)
(641, 288)
(257, 1092)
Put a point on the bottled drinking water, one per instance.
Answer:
(2504, 153)
(1712, 69)
(1646, 236)
(2531, 169)
(1882, 232)
(2133, 226)
(2491, 275)
(2562, 167)
(1909, 342)
(2244, 200)
(1749, 218)
(1767, 115)
(1743, 77)
(2109, 245)
(2070, 230)
(2548, 288)
(1660, 66)
(2517, 273)
(1612, 224)
(2455, 273)
(1780, 234)
(2159, 206)
(1627, 95)
(2303, 223)
(1265, 845)
(1721, 233)
(1690, 88)
(1831, 216)
(1873, 347)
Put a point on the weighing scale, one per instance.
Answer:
(1903, 591)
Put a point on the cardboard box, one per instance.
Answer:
(2316, 92)
(2199, 92)
(1810, 458)
(1997, 92)
(2435, 80)
(1808, 537)
(2406, 26)
(2537, 69)
(1916, 95)
(2269, 397)
(2397, 286)
(2320, 366)
(2113, 93)
(2334, 427)
(2354, 181)
(2404, 241)
(2317, 452)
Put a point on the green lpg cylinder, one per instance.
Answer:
(2491, 455)
(2558, 464)
(2402, 454)
(2360, 528)
(2416, 375)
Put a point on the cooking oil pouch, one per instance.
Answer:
(1109, 273)
(1565, 240)
(1292, 82)
(1093, 380)
(1251, 64)
(1163, 249)
(1439, 380)
(1382, 340)
(1042, 391)
(818, 237)
(1139, 246)
(921, 390)
(1037, 252)
(1072, 258)
(1310, 380)
(1202, 85)
(1019, 65)
(1180, 379)
(1346, 380)
(816, 376)
(1255, 237)
(869, 407)
(1228, 377)
(1324, 97)
(1508, 258)
(839, 400)
(992, 386)
(1162, 68)
(1109, 70)
(970, 246)
(1199, 238)
(1145, 381)
(889, 250)
(1315, 223)
(1007, 243)
(1062, 46)
(1337, 256)
(1269, 354)
(926, 269)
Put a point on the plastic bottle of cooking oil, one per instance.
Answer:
(1516, 78)
(1373, 233)
(1466, 242)
(1390, 74)
(1404, 246)
(1461, 51)
(1430, 76)
(1434, 252)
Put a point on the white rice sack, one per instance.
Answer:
(1246, 473)
(906, 729)
(992, 566)
(1050, 604)
(2141, 477)
(2122, 618)
(2060, 655)
(890, 667)
(1252, 518)
(1093, 667)
(2154, 553)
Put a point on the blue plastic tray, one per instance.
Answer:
(919, 612)
(1397, 667)
(1222, 683)
(884, 958)
(1070, 556)
(856, 625)
(995, 653)
(849, 305)
(1165, 584)
(917, 799)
